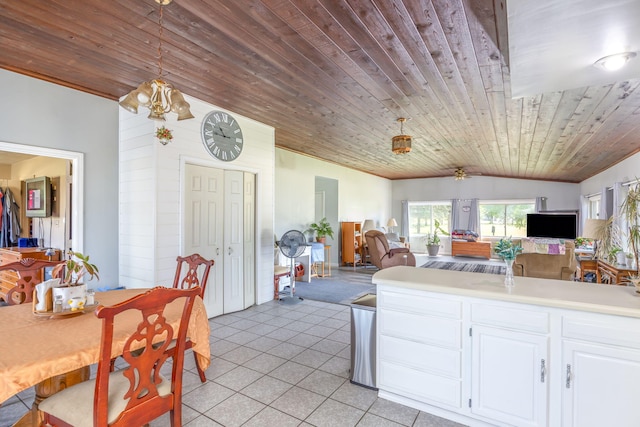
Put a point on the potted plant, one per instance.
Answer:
(322, 229)
(72, 293)
(507, 250)
(630, 210)
(433, 240)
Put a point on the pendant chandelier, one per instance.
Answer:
(401, 144)
(157, 95)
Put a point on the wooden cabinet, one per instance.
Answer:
(351, 234)
(13, 254)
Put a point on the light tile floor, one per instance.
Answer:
(276, 365)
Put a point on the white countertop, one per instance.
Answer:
(592, 297)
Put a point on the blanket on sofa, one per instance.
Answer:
(543, 246)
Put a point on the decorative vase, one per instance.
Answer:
(508, 279)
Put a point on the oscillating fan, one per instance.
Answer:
(292, 245)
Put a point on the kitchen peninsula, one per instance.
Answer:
(549, 352)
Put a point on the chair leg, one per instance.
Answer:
(203, 378)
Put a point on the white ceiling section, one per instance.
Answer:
(553, 44)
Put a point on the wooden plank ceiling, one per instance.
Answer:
(332, 77)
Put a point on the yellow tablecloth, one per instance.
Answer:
(34, 348)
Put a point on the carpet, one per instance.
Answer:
(466, 266)
(333, 290)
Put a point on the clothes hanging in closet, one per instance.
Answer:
(10, 229)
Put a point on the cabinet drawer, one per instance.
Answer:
(420, 304)
(613, 330)
(512, 317)
(427, 329)
(418, 385)
(438, 360)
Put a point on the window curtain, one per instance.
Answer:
(604, 203)
(404, 225)
(618, 218)
(474, 216)
(541, 204)
(584, 213)
(455, 214)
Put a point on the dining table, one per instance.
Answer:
(35, 347)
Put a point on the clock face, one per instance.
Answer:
(222, 136)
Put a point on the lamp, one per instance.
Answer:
(391, 223)
(593, 229)
(157, 95)
(614, 62)
(401, 144)
(369, 224)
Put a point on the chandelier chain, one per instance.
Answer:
(160, 33)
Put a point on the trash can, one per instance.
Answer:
(363, 341)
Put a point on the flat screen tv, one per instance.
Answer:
(557, 226)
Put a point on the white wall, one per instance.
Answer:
(360, 195)
(625, 171)
(42, 114)
(151, 180)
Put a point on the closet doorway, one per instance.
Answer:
(74, 187)
(219, 217)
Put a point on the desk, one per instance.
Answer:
(34, 349)
(318, 267)
(613, 274)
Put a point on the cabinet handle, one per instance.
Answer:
(230, 250)
(543, 370)
(218, 251)
(568, 383)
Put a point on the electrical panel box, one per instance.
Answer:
(38, 197)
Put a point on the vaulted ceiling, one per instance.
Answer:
(333, 76)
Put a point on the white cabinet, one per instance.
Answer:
(509, 362)
(601, 372)
(420, 347)
(508, 376)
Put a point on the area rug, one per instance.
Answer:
(466, 266)
(333, 290)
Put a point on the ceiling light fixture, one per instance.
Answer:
(157, 95)
(459, 174)
(401, 144)
(614, 62)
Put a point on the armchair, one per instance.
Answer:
(382, 256)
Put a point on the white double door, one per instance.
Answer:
(219, 224)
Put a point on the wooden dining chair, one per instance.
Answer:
(138, 393)
(195, 273)
(29, 273)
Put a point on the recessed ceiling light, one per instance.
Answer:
(614, 62)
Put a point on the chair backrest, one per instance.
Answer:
(30, 272)
(144, 400)
(377, 245)
(192, 277)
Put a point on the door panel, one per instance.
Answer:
(203, 228)
(233, 239)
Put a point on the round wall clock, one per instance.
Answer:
(222, 136)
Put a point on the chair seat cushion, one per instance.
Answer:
(74, 405)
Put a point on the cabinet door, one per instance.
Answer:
(600, 386)
(508, 376)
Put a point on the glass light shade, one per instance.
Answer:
(130, 102)
(401, 144)
(144, 92)
(614, 62)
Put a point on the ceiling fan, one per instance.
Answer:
(459, 174)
